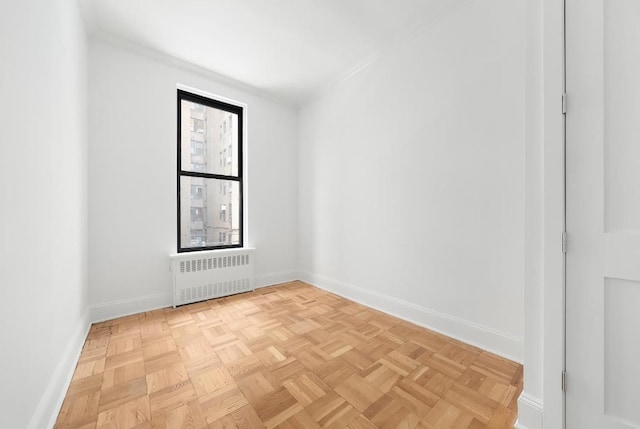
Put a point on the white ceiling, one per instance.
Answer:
(290, 48)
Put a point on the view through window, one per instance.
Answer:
(209, 173)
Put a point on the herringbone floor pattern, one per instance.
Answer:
(288, 356)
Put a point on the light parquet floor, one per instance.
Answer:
(287, 356)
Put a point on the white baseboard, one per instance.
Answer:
(477, 335)
(51, 400)
(529, 412)
(275, 278)
(127, 307)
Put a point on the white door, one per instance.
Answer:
(603, 214)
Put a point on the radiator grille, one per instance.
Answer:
(201, 264)
(212, 274)
(199, 293)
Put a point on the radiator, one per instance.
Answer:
(198, 276)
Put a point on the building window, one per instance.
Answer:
(197, 214)
(196, 166)
(209, 213)
(196, 192)
(197, 148)
(223, 213)
(197, 237)
(197, 126)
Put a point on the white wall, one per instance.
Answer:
(132, 179)
(43, 220)
(530, 402)
(412, 179)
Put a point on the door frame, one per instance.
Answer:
(554, 139)
(542, 400)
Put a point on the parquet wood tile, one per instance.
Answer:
(122, 359)
(79, 410)
(218, 404)
(361, 422)
(331, 409)
(245, 365)
(413, 397)
(123, 374)
(122, 393)
(257, 384)
(85, 386)
(132, 414)
(242, 418)
(91, 363)
(358, 392)
(170, 397)
(276, 407)
(300, 420)
(163, 361)
(287, 356)
(166, 376)
(307, 388)
(335, 371)
(157, 345)
(187, 416)
(210, 378)
(381, 377)
(446, 415)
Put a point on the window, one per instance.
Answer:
(197, 214)
(197, 125)
(197, 148)
(197, 237)
(196, 192)
(223, 213)
(209, 190)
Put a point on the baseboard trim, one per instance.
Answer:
(529, 412)
(127, 307)
(51, 400)
(477, 335)
(275, 278)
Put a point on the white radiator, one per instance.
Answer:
(198, 276)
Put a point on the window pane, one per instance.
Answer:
(208, 140)
(209, 212)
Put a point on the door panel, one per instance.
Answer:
(622, 114)
(621, 355)
(603, 214)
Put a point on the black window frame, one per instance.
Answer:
(231, 108)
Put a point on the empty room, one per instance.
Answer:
(320, 214)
